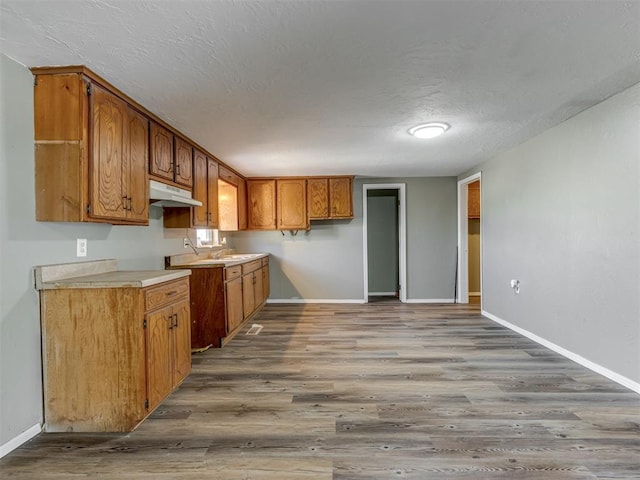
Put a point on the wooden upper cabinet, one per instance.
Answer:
(292, 204)
(261, 200)
(236, 186)
(330, 197)
(171, 157)
(340, 197)
(200, 189)
(183, 162)
(161, 162)
(318, 197)
(473, 195)
(242, 205)
(91, 153)
(205, 190)
(212, 194)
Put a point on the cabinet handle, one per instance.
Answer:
(130, 204)
(178, 169)
(170, 318)
(125, 202)
(175, 316)
(171, 293)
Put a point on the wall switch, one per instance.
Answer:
(515, 284)
(81, 247)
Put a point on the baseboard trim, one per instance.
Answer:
(382, 294)
(610, 374)
(429, 300)
(25, 436)
(315, 300)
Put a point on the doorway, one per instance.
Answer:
(384, 241)
(469, 282)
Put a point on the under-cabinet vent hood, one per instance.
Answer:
(163, 195)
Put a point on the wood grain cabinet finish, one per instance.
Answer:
(236, 220)
(171, 157)
(291, 212)
(205, 190)
(91, 152)
(224, 298)
(330, 197)
(261, 200)
(111, 355)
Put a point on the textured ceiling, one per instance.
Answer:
(331, 87)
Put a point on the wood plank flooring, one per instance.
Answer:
(378, 391)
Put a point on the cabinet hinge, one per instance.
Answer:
(144, 323)
(88, 209)
(146, 404)
(35, 80)
(88, 88)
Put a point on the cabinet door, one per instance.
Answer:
(181, 328)
(200, 189)
(258, 291)
(248, 295)
(138, 161)
(292, 204)
(261, 196)
(212, 194)
(161, 150)
(109, 149)
(242, 204)
(184, 163)
(233, 293)
(340, 197)
(318, 197)
(266, 283)
(159, 358)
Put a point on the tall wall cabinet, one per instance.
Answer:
(91, 151)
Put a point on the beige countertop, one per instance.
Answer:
(100, 274)
(191, 260)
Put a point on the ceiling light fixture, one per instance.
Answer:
(429, 130)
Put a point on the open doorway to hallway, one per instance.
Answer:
(384, 233)
(469, 273)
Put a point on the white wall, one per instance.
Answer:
(25, 243)
(561, 213)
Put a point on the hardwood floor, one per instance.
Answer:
(377, 391)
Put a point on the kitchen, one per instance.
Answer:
(335, 246)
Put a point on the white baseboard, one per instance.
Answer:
(611, 375)
(20, 439)
(315, 300)
(429, 300)
(382, 294)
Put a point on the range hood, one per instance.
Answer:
(163, 195)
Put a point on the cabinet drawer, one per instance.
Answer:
(251, 266)
(232, 272)
(166, 294)
(265, 261)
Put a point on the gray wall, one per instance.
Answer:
(327, 261)
(382, 242)
(561, 213)
(25, 243)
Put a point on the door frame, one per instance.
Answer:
(402, 235)
(463, 239)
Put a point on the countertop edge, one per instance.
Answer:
(153, 277)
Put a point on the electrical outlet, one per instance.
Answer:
(186, 242)
(81, 247)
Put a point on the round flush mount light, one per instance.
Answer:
(429, 130)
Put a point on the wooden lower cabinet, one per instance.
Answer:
(224, 298)
(111, 355)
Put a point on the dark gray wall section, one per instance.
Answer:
(382, 243)
(561, 213)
